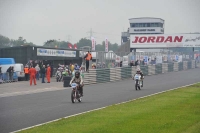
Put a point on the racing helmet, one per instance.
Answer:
(77, 74)
(138, 70)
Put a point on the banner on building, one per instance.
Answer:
(106, 45)
(165, 40)
(55, 52)
(93, 43)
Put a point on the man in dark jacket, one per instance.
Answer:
(51, 70)
(43, 71)
(10, 71)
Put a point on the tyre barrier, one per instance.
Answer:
(119, 73)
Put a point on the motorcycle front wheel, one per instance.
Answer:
(73, 98)
(136, 84)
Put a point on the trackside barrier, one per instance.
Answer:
(6, 78)
(119, 73)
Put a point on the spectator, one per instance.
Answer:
(136, 62)
(26, 73)
(132, 63)
(37, 68)
(120, 64)
(32, 72)
(43, 71)
(10, 73)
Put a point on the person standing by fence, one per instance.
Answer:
(10, 71)
(32, 73)
(88, 57)
(26, 71)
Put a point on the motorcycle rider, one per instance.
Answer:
(142, 75)
(78, 79)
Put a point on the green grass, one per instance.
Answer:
(176, 111)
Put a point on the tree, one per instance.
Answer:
(4, 41)
(56, 44)
(84, 42)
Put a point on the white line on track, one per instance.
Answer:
(102, 108)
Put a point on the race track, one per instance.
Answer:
(21, 111)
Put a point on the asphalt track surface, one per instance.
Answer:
(25, 110)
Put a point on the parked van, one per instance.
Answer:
(6, 61)
(19, 69)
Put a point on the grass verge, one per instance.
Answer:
(176, 111)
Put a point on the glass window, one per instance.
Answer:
(148, 24)
(156, 24)
(152, 25)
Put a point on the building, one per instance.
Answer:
(25, 54)
(143, 25)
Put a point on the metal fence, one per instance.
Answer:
(8, 77)
(120, 59)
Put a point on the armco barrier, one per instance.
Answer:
(114, 74)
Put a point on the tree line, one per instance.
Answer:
(6, 42)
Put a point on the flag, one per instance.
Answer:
(106, 45)
(75, 46)
(70, 45)
(93, 43)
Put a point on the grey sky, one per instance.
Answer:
(41, 20)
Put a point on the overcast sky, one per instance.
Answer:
(40, 20)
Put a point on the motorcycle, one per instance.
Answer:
(138, 81)
(75, 94)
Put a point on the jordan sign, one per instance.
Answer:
(160, 41)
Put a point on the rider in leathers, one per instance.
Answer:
(78, 79)
(142, 75)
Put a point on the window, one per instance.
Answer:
(144, 25)
(132, 25)
(152, 25)
(148, 24)
(156, 25)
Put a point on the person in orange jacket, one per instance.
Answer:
(32, 73)
(48, 74)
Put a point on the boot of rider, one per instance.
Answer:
(81, 91)
(142, 83)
